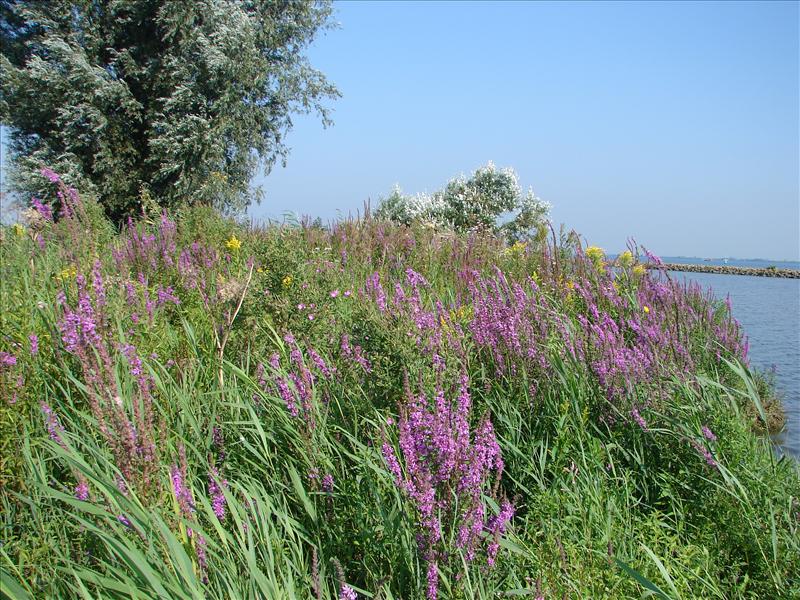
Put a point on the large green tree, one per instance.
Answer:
(180, 101)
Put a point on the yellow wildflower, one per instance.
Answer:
(67, 273)
(19, 230)
(233, 244)
(595, 254)
(287, 281)
(646, 309)
(625, 259)
(517, 249)
(639, 270)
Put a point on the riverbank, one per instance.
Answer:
(200, 409)
(728, 270)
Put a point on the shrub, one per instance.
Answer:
(489, 200)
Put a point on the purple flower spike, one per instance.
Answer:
(7, 360)
(82, 490)
(215, 488)
(50, 175)
(709, 435)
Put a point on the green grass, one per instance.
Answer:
(603, 508)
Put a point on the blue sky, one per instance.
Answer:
(673, 123)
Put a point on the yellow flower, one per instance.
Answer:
(287, 281)
(233, 244)
(595, 254)
(67, 273)
(625, 259)
(639, 270)
(19, 230)
(518, 249)
(646, 309)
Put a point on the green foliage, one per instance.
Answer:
(178, 102)
(604, 508)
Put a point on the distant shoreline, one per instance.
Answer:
(728, 270)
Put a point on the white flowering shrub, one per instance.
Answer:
(420, 208)
(490, 199)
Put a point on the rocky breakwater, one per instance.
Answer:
(729, 270)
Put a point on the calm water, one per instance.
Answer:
(769, 311)
(733, 262)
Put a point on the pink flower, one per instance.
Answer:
(334, 293)
(51, 175)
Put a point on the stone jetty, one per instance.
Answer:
(729, 270)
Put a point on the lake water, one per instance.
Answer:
(769, 311)
(734, 262)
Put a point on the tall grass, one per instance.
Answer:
(216, 411)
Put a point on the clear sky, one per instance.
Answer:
(674, 123)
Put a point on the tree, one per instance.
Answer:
(178, 101)
(480, 202)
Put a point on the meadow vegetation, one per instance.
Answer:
(196, 408)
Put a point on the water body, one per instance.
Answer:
(769, 311)
(757, 263)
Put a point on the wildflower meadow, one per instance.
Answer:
(193, 407)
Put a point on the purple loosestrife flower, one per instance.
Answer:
(433, 580)
(639, 419)
(275, 361)
(327, 483)
(704, 452)
(448, 468)
(708, 434)
(183, 493)
(82, 490)
(287, 395)
(347, 593)
(355, 353)
(202, 558)
(497, 527)
(319, 362)
(166, 295)
(218, 441)
(34, 340)
(374, 288)
(391, 461)
(54, 427)
(7, 360)
(44, 210)
(50, 175)
(415, 280)
(216, 485)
